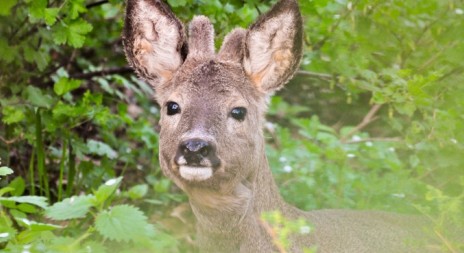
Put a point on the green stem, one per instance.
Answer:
(60, 180)
(43, 177)
(31, 173)
(71, 168)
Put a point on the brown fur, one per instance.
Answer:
(250, 66)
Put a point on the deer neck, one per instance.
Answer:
(229, 210)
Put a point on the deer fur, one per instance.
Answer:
(230, 185)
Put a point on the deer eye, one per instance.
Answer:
(173, 108)
(238, 113)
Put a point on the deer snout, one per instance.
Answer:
(197, 159)
(195, 150)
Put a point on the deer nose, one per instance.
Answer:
(195, 150)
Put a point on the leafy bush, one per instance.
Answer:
(383, 77)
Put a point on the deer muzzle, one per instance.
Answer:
(196, 159)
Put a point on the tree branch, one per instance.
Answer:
(105, 72)
(369, 118)
(388, 139)
(322, 76)
(95, 4)
(334, 27)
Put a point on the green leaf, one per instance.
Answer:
(5, 7)
(37, 8)
(107, 189)
(12, 115)
(5, 171)
(19, 185)
(65, 85)
(72, 33)
(50, 15)
(177, 3)
(6, 233)
(27, 208)
(76, 7)
(8, 52)
(102, 149)
(71, 208)
(37, 98)
(123, 223)
(138, 191)
(34, 200)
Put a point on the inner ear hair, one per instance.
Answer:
(274, 46)
(154, 40)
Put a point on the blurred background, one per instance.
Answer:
(374, 119)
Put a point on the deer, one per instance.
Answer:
(211, 142)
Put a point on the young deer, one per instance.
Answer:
(211, 139)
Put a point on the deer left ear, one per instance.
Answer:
(274, 46)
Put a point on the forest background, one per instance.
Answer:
(373, 120)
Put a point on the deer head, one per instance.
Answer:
(212, 104)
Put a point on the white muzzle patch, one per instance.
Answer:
(195, 173)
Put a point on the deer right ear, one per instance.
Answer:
(274, 46)
(154, 40)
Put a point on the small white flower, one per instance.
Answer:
(111, 182)
(283, 159)
(356, 138)
(4, 235)
(391, 149)
(26, 249)
(305, 230)
(26, 221)
(350, 6)
(154, 110)
(288, 168)
(351, 155)
(459, 11)
(399, 195)
(270, 126)
(369, 144)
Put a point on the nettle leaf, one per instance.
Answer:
(19, 186)
(76, 7)
(107, 189)
(37, 8)
(71, 208)
(34, 200)
(50, 15)
(65, 85)
(5, 171)
(37, 98)
(5, 7)
(123, 223)
(101, 149)
(27, 208)
(72, 33)
(12, 115)
(138, 191)
(8, 52)
(7, 233)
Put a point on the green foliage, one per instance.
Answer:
(105, 226)
(383, 77)
(123, 223)
(282, 229)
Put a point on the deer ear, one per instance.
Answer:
(274, 46)
(154, 40)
